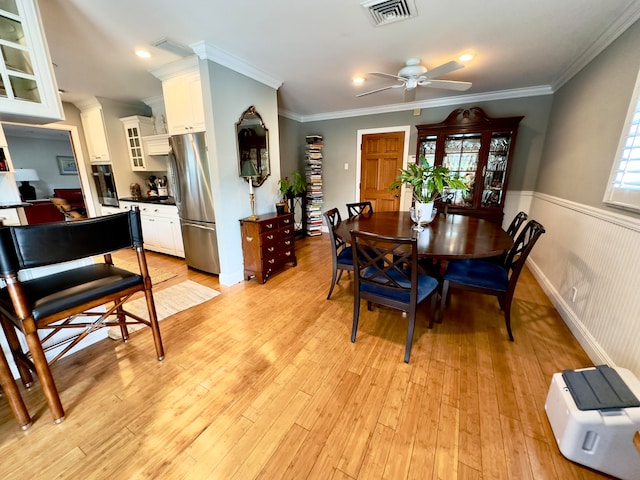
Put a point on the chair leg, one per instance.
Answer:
(507, 316)
(124, 332)
(411, 327)
(356, 317)
(44, 374)
(333, 282)
(13, 394)
(16, 350)
(155, 328)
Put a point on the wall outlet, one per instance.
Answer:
(346, 166)
(574, 293)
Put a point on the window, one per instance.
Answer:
(623, 189)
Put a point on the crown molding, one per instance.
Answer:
(606, 38)
(206, 51)
(173, 69)
(440, 102)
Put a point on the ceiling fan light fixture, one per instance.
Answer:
(358, 80)
(466, 57)
(384, 12)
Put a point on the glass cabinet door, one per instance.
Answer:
(461, 156)
(28, 88)
(496, 169)
(427, 146)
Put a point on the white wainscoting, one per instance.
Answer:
(597, 252)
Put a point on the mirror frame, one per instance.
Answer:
(246, 141)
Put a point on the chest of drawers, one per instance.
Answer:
(268, 243)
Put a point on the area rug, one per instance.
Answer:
(168, 301)
(157, 274)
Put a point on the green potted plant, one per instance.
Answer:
(290, 189)
(428, 182)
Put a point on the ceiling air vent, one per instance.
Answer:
(384, 12)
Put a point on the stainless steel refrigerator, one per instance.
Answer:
(191, 188)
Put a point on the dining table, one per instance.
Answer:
(447, 237)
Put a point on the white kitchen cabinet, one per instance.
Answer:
(182, 92)
(28, 88)
(96, 134)
(105, 210)
(135, 128)
(160, 227)
(157, 144)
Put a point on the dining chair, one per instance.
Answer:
(48, 308)
(354, 209)
(341, 254)
(386, 273)
(516, 223)
(485, 277)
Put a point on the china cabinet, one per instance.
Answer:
(478, 149)
(28, 89)
(135, 128)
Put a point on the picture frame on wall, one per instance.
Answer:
(67, 165)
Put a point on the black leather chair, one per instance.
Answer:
(386, 273)
(489, 278)
(61, 301)
(354, 209)
(341, 258)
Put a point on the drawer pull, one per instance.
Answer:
(287, 231)
(270, 237)
(288, 254)
(287, 242)
(287, 221)
(269, 225)
(272, 261)
(270, 249)
(249, 239)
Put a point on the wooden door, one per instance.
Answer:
(381, 161)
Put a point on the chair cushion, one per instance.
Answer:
(345, 257)
(477, 273)
(57, 292)
(426, 285)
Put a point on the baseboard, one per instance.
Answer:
(593, 349)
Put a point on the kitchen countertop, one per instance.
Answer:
(154, 200)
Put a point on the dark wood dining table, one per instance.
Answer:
(446, 237)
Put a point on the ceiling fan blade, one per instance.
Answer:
(409, 94)
(443, 69)
(386, 75)
(446, 84)
(379, 90)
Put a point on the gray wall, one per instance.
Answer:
(586, 123)
(340, 141)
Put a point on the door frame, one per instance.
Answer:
(405, 154)
(83, 171)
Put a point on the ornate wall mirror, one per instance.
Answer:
(253, 147)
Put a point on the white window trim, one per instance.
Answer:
(615, 196)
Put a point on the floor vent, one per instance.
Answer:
(384, 12)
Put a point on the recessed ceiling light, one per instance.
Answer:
(143, 53)
(358, 80)
(466, 57)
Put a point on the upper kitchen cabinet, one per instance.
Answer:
(478, 150)
(95, 134)
(182, 92)
(135, 129)
(28, 88)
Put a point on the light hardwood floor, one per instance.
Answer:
(263, 382)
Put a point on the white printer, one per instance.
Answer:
(594, 414)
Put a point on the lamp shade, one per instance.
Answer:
(248, 170)
(26, 175)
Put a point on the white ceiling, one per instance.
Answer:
(314, 48)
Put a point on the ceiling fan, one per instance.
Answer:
(413, 75)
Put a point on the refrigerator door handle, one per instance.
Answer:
(187, 224)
